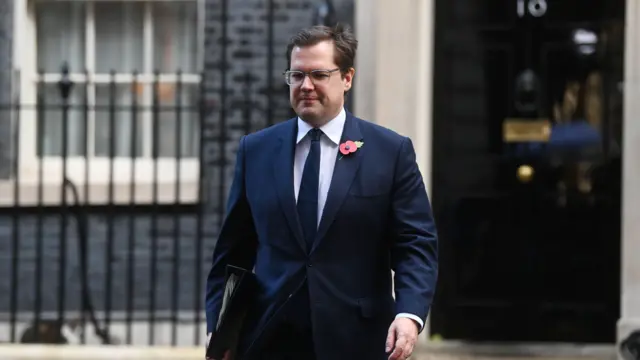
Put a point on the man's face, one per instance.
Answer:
(317, 98)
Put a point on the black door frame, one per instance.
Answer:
(441, 142)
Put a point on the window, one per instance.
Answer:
(103, 44)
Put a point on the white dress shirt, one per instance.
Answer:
(329, 143)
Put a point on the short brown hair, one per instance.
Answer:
(344, 42)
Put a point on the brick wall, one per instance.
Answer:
(247, 51)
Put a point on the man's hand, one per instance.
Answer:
(402, 337)
(227, 355)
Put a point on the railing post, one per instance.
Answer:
(325, 14)
(65, 85)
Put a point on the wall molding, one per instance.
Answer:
(630, 301)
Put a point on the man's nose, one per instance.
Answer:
(307, 84)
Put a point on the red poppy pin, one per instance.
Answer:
(349, 147)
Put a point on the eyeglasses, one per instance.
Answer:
(296, 77)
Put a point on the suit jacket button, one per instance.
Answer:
(309, 264)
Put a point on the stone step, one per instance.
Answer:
(457, 350)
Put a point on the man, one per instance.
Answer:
(323, 207)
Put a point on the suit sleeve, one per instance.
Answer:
(414, 250)
(236, 244)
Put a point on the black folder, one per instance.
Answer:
(240, 290)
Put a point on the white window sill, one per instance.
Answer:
(124, 182)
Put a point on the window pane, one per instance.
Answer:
(175, 36)
(119, 36)
(123, 120)
(178, 121)
(51, 139)
(61, 35)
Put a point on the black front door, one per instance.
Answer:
(526, 169)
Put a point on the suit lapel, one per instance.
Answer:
(283, 176)
(344, 172)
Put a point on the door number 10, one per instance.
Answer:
(535, 8)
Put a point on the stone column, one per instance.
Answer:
(393, 82)
(394, 69)
(630, 301)
(6, 82)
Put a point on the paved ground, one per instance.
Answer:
(165, 356)
(419, 357)
(16, 352)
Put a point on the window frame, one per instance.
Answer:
(173, 180)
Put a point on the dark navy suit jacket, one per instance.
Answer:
(377, 218)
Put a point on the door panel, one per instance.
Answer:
(526, 172)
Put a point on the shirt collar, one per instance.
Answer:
(332, 129)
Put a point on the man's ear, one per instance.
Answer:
(348, 79)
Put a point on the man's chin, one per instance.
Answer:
(308, 114)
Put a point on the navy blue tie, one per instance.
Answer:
(308, 194)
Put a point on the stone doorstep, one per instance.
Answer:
(432, 351)
(457, 350)
(426, 356)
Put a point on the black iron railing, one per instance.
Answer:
(103, 230)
